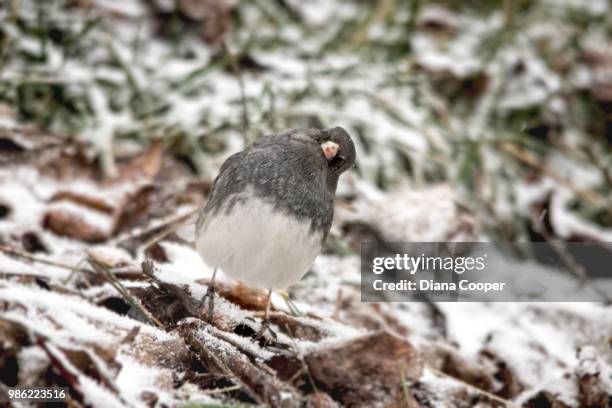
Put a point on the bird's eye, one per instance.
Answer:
(330, 149)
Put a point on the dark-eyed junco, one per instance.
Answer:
(271, 207)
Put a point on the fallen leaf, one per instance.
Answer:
(375, 359)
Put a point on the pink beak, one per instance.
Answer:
(330, 149)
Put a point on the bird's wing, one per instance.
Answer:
(288, 135)
(228, 165)
(233, 168)
(230, 162)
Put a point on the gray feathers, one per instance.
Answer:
(288, 171)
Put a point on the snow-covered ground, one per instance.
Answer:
(515, 350)
(432, 166)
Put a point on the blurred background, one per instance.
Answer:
(506, 103)
(473, 121)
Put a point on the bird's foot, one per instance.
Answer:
(261, 337)
(210, 295)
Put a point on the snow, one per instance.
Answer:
(97, 219)
(595, 7)
(516, 332)
(32, 360)
(591, 363)
(93, 392)
(246, 344)
(519, 333)
(185, 269)
(568, 224)
(538, 341)
(440, 385)
(135, 378)
(24, 210)
(9, 266)
(98, 396)
(94, 323)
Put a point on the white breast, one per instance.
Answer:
(258, 245)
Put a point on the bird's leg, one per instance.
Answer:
(265, 324)
(267, 312)
(210, 294)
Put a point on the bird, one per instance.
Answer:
(271, 207)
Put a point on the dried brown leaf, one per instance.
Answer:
(374, 359)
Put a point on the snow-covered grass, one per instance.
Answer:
(470, 123)
(443, 92)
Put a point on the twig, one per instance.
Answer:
(73, 269)
(103, 270)
(337, 305)
(383, 9)
(34, 77)
(73, 272)
(31, 258)
(567, 258)
(527, 158)
(405, 386)
(232, 363)
(168, 225)
(72, 374)
(167, 231)
(223, 390)
(293, 309)
(300, 358)
(493, 397)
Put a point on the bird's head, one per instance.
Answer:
(338, 149)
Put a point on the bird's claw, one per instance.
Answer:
(261, 337)
(210, 294)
